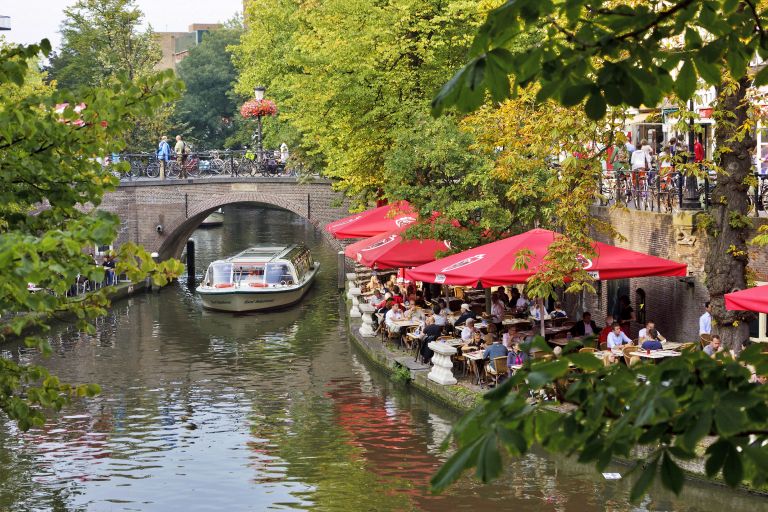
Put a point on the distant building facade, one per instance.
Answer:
(176, 45)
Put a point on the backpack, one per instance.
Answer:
(185, 150)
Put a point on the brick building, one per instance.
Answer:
(175, 46)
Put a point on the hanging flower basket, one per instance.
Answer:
(257, 108)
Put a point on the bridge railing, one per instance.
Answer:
(649, 190)
(201, 164)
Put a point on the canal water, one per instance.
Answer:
(214, 411)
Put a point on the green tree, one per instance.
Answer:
(348, 74)
(47, 217)
(592, 55)
(102, 39)
(208, 106)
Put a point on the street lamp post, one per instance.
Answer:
(258, 93)
(691, 197)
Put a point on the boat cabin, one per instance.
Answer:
(260, 267)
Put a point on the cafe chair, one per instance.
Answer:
(590, 350)
(409, 341)
(685, 347)
(603, 345)
(628, 359)
(705, 340)
(497, 370)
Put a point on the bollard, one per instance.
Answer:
(342, 271)
(191, 262)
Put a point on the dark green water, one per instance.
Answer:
(212, 411)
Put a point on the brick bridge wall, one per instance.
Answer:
(179, 207)
(675, 304)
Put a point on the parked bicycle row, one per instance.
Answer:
(203, 164)
(649, 190)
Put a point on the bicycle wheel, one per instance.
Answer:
(153, 170)
(216, 167)
(173, 169)
(192, 168)
(136, 167)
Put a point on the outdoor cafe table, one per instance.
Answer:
(404, 323)
(515, 321)
(476, 358)
(655, 354)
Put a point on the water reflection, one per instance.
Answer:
(214, 411)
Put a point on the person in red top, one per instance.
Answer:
(603, 337)
(698, 151)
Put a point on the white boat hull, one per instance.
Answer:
(254, 299)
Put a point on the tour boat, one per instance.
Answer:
(214, 219)
(258, 278)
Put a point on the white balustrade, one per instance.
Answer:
(367, 328)
(442, 369)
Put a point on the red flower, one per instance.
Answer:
(256, 108)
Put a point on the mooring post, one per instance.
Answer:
(342, 270)
(191, 262)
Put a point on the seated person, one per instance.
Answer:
(643, 334)
(503, 296)
(468, 332)
(715, 346)
(558, 311)
(375, 298)
(497, 309)
(603, 338)
(508, 338)
(536, 308)
(651, 341)
(494, 350)
(382, 304)
(516, 356)
(392, 315)
(585, 327)
(617, 338)
(438, 316)
(414, 313)
(432, 329)
(466, 313)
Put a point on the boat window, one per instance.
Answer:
(221, 273)
(278, 273)
(249, 274)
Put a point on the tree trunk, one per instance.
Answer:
(729, 229)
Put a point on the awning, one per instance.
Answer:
(390, 250)
(494, 264)
(751, 299)
(373, 222)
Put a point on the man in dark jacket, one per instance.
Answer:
(586, 326)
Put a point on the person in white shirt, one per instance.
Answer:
(537, 308)
(522, 303)
(438, 316)
(643, 334)
(617, 338)
(393, 314)
(468, 331)
(640, 160)
(705, 321)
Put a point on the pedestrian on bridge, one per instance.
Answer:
(182, 150)
(163, 155)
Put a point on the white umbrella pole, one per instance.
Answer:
(541, 317)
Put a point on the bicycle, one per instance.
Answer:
(191, 167)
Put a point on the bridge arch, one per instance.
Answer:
(178, 231)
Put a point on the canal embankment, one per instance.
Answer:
(464, 396)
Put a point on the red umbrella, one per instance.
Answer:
(373, 222)
(493, 264)
(751, 299)
(389, 250)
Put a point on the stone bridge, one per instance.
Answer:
(161, 215)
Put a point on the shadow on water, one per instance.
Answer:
(214, 411)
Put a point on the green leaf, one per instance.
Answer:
(585, 361)
(672, 476)
(762, 77)
(645, 481)
(489, 459)
(729, 420)
(455, 465)
(574, 94)
(733, 470)
(685, 85)
(595, 107)
(711, 73)
(696, 432)
(717, 453)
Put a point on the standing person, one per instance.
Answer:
(698, 151)
(181, 150)
(163, 155)
(283, 153)
(705, 320)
